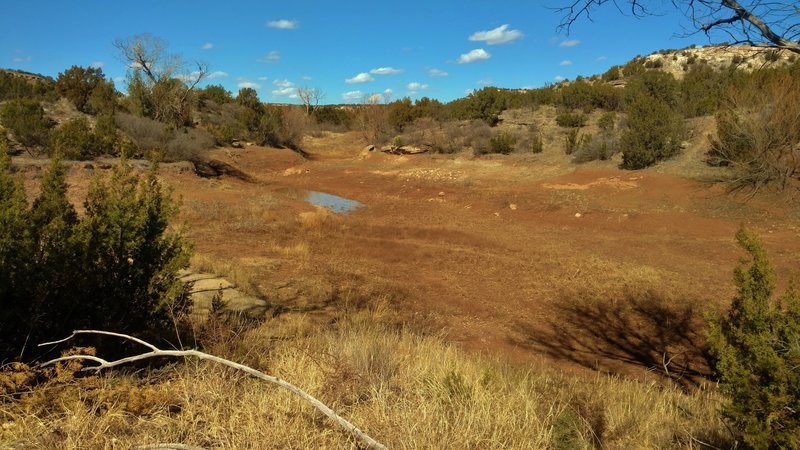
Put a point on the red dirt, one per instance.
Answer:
(492, 250)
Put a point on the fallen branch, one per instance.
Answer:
(156, 352)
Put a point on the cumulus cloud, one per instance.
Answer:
(570, 43)
(271, 57)
(437, 73)
(307, 78)
(500, 35)
(485, 82)
(283, 24)
(362, 77)
(263, 78)
(474, 55)
(388, 93)
(565, 62)
(249, 84)
(385, 71)
(97, 65)
(414, 86)
(559, 78)
(207, 46)
(20, 59)
(352, 96)
(284, 88)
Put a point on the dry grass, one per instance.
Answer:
(405, 389)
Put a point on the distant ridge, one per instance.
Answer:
(26, 75)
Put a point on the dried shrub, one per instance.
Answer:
(758, 134)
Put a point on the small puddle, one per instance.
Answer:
(336, 204)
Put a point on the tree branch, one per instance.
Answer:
(156, 352)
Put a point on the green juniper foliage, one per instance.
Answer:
(112, 268)
(757, 347)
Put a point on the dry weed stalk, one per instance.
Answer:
(156, 352)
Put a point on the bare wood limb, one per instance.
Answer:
(156, 352)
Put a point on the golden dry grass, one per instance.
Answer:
(406, 389)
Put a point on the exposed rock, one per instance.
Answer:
(207, 289)
(369, 148)
(404, 150)
(213, 168)
(237, 144)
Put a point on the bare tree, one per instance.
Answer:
(756, 22)
(165, 77)
(310, 98)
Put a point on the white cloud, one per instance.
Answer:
(388, 93)
(486, 82)
(217, 74)
(437, 73)
(385, 71)
(193, 75)
(374, 99)
(271, 57)
(283, 24)
(134, 65)
(474, 55)
(559, 78)
(352, 96)
(249, 84)
(97, 65)
(263, 78)
(570, 43)
(469, 91)
(362, 77)
(20, 59)
(285, 88)
(565, 62)
(414, 86)
(307, 78)
(119, 79)
(600, 58)
(207, 46)
(500, 35)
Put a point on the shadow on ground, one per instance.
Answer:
(642, 329)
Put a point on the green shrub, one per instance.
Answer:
(572, 141)
(216, 94)
(502, 142)
(112, 268)
(612, 74)
(105, 130)
(27, 122)
(536, 145)
(12, 86)
(654, 132)
(87, 89)
(757, 350)
(571, 120)
(75, 140)
(606, 121)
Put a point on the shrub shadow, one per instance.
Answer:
(636, 329)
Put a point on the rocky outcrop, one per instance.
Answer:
(210, 293)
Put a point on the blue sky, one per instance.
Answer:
(347, 49)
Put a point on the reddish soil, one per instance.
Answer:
(582, 266)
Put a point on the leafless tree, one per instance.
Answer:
(310, 98)
(166, 77)
(764, 23)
